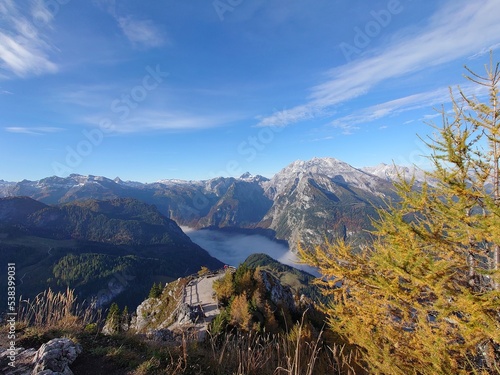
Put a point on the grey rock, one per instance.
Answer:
(55, 356)
(23, 361)
(187, 314)
(184, 314)
(145, 314)
(279, 294)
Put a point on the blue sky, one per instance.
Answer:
(196, 89)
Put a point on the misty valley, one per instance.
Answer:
(234, 247)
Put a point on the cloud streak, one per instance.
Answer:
(458, 29)
(23, 48)
(156, 120)
(159, 119)
(390, 108)
(42, 130)
(97, 103)
(142, 33)
(408, 103)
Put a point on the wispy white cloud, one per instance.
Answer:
(24, 50)
(41, 130)
(96, 103)
(141, 33)
(346, 128)
(290, 116)
(41, 14)
(485, 51)
(92, 96)
(148, 120)
(428, 99)
(430, 117)
(458, 29)
(390, 108)
(320, 139)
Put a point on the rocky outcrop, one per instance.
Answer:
(53, 358)
(146, 314)
(184, 314)
(279, 294)
(22, 365)
(187, 314)
(159, 313)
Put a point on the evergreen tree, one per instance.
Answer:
(125, 318)
(155, 291)
(224, 288)
(423, 298)
(114, 318)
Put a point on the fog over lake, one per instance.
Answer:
(234, 248)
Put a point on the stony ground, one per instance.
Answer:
(200, 292)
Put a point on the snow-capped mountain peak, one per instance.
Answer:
(6, 187)
(331, 168)
(391, 172)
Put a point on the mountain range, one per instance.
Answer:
(304, 202)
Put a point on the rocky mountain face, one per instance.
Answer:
(302, 203)
(322, 197)
(6, 187)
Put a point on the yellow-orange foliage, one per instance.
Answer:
(240, 313)
(224, 288)
(423, 298)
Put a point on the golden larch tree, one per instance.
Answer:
(423, 297)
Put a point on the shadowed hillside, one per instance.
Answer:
(100, 248)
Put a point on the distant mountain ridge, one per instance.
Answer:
(304, 202)
(393, 172)
(120, 222)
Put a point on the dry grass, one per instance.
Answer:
(56, 310)
(298, 352)
(274, 354)
(249, 354)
